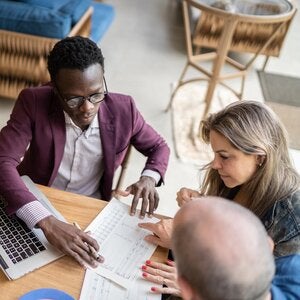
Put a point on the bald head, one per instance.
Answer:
(222, 250)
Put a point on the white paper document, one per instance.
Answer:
(96, 287)
(121, 243)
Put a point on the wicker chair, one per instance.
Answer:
(225, 31)
(23, 57)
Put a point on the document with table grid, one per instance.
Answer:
(124, 249)
(96, 287)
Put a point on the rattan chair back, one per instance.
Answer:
(23, 57)
(225, 31)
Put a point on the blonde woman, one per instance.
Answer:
(252, 167)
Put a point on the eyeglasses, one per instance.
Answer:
(76, 102)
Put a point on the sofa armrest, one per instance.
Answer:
(83, 26)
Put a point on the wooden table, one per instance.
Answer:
(65, 273)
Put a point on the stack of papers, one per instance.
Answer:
(124, 249)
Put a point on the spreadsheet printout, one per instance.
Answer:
(96, 287)
(121, 243)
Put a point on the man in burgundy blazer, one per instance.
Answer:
(33, 142)
(38, 120)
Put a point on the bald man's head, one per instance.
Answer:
(222, 250)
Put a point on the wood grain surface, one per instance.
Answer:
(63, 274)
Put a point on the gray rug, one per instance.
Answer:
(280, 88)
(282, 94)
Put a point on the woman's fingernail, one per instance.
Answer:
(170, 261)
(148, 262)
(144, 274)
(100, 259)
(153, 289)
(144, 268)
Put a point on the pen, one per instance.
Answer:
(92, 250)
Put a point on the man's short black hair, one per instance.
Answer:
(74, 53)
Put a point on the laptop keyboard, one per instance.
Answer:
(18, 241)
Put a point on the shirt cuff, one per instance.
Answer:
(32, 212)
(153, 174)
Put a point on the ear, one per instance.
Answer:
(260, 160)
(187, 292)
(55, 90)
(271, 243)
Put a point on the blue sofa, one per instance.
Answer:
(53, 18)
(30, 28)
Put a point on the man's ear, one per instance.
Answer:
(271, 243)
(187, 292)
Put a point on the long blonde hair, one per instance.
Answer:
(253, 128)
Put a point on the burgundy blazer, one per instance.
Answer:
(32, 143)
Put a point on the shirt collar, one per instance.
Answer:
(93, 125)
(69, 121)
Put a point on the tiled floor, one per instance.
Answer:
(144, 53)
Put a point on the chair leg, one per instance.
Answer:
(242, 87)
(197, 50)
(180, 81)
(265, 63)
(124, 166)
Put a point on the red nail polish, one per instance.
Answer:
(144, 274)
(153, 289)
(144, 267)
(148, 262)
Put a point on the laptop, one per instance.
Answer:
(23, 250)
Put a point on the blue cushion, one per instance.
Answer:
(102, 17)
(36, 20)
(75, 9)
(52, 4)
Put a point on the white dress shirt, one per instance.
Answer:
(81, 167)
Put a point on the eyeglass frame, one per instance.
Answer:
(82, 98)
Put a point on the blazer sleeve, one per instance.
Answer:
(14, 140)
(147, 141)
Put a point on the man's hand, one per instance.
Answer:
(144, 188)
(162, 232)
(162, 274)
(185, 195)
(71, 241)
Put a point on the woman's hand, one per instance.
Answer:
(185, 195)
(162, 232)
(164, 274)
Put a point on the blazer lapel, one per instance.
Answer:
(58, 126)
(108, 139)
